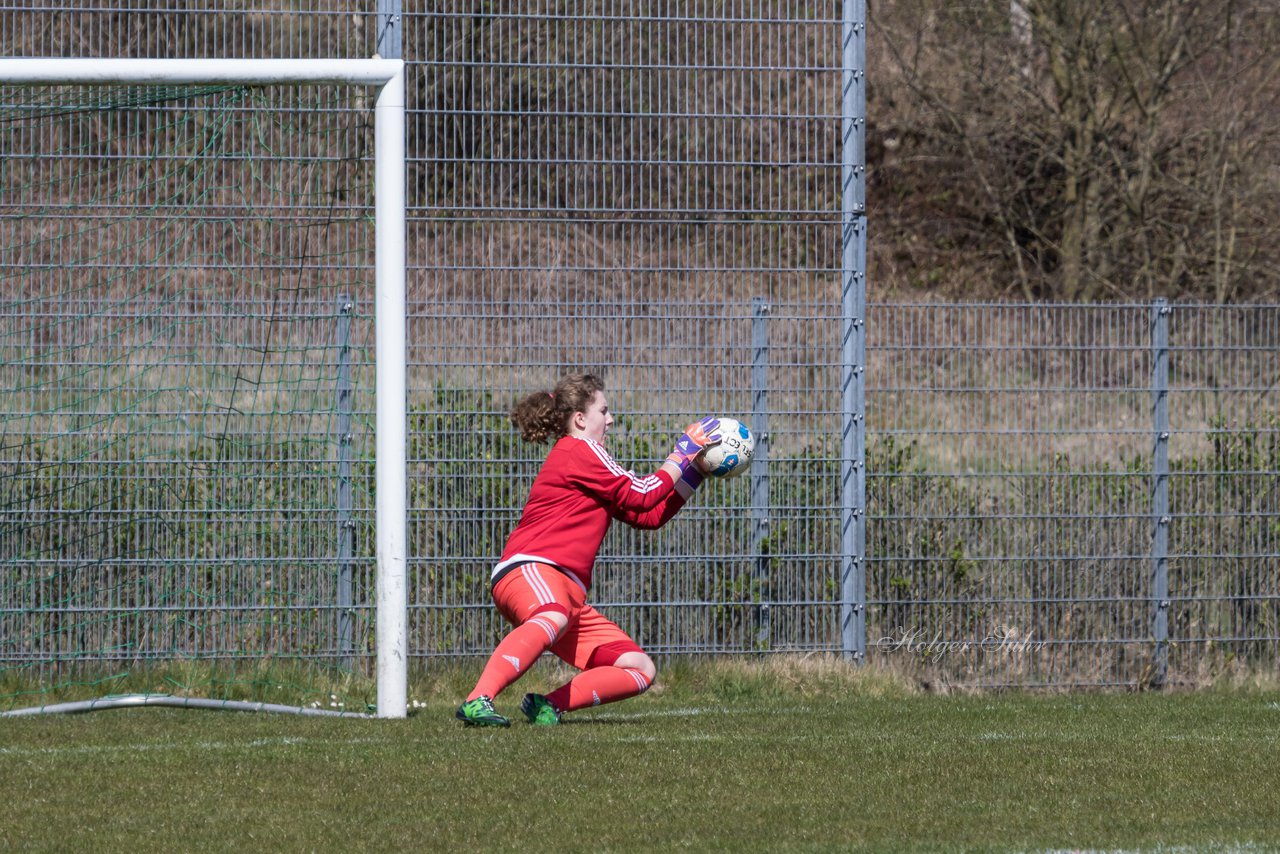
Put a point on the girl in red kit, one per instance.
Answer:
(540, 584)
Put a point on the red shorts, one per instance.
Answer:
(590, 640)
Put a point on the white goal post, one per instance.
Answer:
(387, 75)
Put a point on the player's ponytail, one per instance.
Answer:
(545, 415)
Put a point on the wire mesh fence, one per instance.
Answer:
(1057, 478)
(1012, 480)
(1055, 494)
(177, 28)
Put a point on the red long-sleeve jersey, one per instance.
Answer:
(579, 490)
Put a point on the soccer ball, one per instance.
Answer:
(733, 455)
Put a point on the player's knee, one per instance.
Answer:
(650, 670)
(640, 663)
(554, 615)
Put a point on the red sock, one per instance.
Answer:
(597, 686)
(515, 654)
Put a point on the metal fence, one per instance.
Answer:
(1082, 494)
(973, 494)
(1056, 494)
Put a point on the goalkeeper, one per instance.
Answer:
(540, 584)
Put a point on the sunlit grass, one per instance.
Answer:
(781, 755)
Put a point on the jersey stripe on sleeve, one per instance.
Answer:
(638, 484)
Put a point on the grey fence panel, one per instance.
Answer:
(613, 188)
(1009, 486)
(172, 360)
(177, 28)
(1224, 449)
(1015, 508)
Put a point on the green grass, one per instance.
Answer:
(721, 758)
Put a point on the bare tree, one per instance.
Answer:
(1109, 148)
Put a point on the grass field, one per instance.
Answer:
(717, 759)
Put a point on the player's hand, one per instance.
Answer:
(698, 436)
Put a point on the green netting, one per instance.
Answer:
(185, 394)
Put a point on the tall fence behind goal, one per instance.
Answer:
(970, 494)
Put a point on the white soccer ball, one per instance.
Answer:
(733, 455)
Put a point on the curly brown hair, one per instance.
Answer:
(544, 415)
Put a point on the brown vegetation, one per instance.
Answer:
(1076, 149)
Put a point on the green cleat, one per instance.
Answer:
(480, 712)
(538, 710)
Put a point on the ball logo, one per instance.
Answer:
(728, 465)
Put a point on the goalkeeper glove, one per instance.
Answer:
(696, 438)
(690, 479)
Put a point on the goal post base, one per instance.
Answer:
(134, 701)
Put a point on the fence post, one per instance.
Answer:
(760, 546)
(853, 301)
(389, 38)
(346, 525)
(1160, 491)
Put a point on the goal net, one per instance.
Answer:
(200, 269)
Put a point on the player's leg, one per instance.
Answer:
(614, 668)
(629, 675)
(540, 601)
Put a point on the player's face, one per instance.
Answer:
(597, 420)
